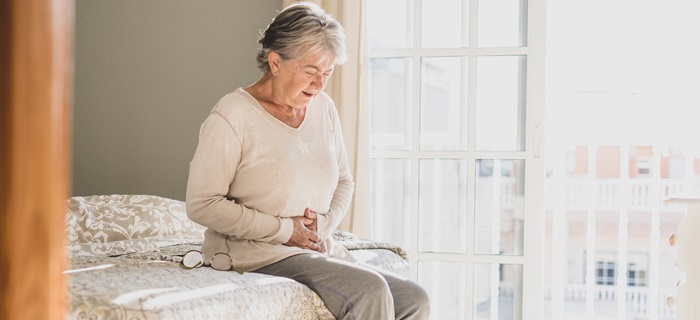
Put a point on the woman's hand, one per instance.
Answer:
(313, 226)
(302, 236)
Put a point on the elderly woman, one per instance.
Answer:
(270, 177)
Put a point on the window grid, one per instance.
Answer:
(530, 153)
(470, 155)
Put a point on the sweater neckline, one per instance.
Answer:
(272, 118)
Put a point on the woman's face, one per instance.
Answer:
(298, 81)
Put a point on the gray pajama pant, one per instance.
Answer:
(352, 291)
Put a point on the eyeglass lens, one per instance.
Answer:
(193, 259)
(221, 262)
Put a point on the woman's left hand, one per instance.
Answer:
(313, 226)
(302, 236)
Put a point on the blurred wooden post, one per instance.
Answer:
(35, 87)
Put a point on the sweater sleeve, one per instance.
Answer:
(212, 170)
(328, 222)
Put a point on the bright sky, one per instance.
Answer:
(624, 71)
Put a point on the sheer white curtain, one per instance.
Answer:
(348, 88)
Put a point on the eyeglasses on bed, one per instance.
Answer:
(195, 259)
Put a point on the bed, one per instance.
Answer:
(123, 256)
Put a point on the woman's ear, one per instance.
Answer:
(274, 59)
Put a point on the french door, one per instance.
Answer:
(456, 101)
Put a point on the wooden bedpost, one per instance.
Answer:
(35, 91)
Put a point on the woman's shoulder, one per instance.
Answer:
(324, 98)
(233, 100)
(325, 102)
(234, 104)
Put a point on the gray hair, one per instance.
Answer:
(301, 28)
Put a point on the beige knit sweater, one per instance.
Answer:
(251, 173)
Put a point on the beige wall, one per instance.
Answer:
(146, 75)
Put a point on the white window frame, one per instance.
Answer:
(532, 259)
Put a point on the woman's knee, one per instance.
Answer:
(422, 301)
(372, 284)
(411, 301)
(369, 296)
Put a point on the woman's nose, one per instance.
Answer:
(319, 81)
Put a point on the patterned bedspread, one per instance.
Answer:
(152, 286)
(130, 276)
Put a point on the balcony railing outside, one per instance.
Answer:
(637, 299)
(608, 197)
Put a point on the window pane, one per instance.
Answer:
(390, 24)
(502, 23)
(442, 206)
(500, 103)
(443, 108)
(391, 200)
(500, 206)
(498, 291)
(445, 284)
(445, 24)
(390, 103)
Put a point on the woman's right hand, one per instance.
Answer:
(302, 237)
